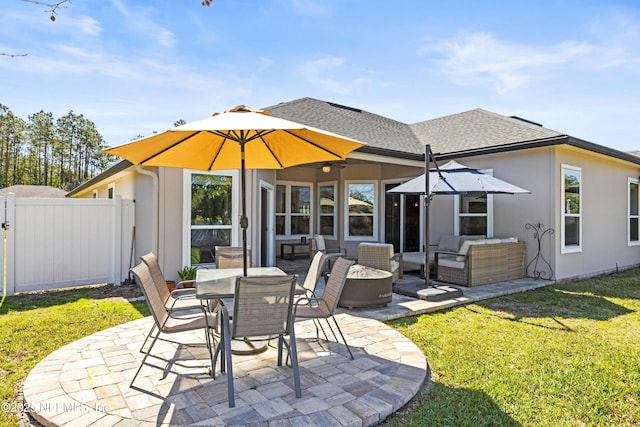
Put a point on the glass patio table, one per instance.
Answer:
(216, 284)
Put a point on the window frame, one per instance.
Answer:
(631, 216)
(186, 210)
(374, 215)
(333, 184)
(564, 249)
(457, 200)
(288, 214)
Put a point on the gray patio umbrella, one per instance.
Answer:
(451, 178)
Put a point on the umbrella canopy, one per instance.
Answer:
(238, 139)
(455, 178)
(216, 143)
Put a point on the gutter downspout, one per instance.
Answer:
(154, 224)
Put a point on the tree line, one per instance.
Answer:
(42, 150)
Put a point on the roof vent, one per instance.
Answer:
(526, 121)
(344, 107)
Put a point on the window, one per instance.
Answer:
(111, 188)
(634, 213)
(474, 213)
(211, 216)
(293, 209)
(327, 214)
(361, 212)
(571, 235)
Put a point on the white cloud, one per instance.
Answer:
(479, 58)
(331, 74)
(139, 21)
(83, 25)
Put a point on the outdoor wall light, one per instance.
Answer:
(326, 167)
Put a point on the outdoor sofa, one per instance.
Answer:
(481, 261)
(447, 243)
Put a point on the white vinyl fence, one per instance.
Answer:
(57, 243)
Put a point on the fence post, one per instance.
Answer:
(2, 246)
(117, 240)
(10, 257)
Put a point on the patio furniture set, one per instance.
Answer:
(264, 306)
(471, 260)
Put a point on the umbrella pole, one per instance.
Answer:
(244, 222)
(427, 200)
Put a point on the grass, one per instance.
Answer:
(34, 325)
(565, 355)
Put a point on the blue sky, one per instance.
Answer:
(137, 66)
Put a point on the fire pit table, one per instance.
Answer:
(366, 287)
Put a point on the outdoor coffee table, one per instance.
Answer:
(366, 287)
(217, 284)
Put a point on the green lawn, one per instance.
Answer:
(565, 355)
(32, 326)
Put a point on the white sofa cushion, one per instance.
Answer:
(464, 249)
(451, 263)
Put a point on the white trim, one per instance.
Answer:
(573, 248)
(402, 206)
(376, 211)
(186, 209)
(629, 216)
(488, 215)
(271, 218)
(335, 208)
(384, 159)
(287, 209)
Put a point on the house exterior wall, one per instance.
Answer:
(604, 196)
(604, 207)
(533, 170)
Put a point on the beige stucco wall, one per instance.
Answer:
(604, 204)
(604, 215)
(604, 198)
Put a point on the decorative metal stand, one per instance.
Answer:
(538, 234)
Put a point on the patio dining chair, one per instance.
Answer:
(176, 300)
(314, 273)
(263, 310)
(231, 257)
(164, 320)
(325, 307)
(320, 245)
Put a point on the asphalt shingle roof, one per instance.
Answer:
(377, 131)
(477, 129)
(33, 191)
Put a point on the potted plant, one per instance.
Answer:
(187, 275)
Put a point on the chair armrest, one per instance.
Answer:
(183, 293)
(335, 254)
(398, 258)
(180, 284)
(306, 300)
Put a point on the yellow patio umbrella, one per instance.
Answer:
(238, 139)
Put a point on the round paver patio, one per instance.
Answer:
(87, 382)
